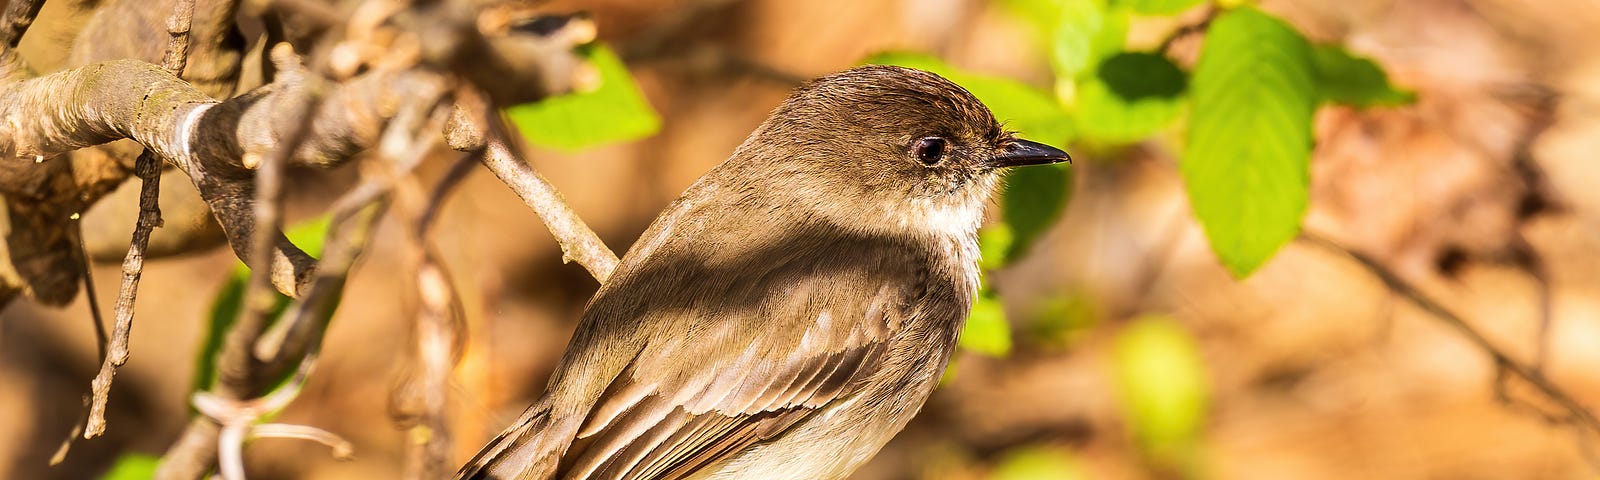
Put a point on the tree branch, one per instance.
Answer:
(578, 243)
(148, 168)
(1576, 412)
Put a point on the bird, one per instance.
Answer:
(794, 308)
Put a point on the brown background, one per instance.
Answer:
(1315, 369)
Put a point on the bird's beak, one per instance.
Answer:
(1019, 152)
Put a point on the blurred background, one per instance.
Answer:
(1118, 345)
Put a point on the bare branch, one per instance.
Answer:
(438, 333)
(177, 53)
(578, 243)
(1576, 412)
(148, 168)
(149, 171)
(240, 373)
(342, 450)
(102, 341)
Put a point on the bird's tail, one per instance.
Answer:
(523, 452)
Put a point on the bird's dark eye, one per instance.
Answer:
(929, 150)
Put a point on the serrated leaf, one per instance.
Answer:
(1159, 7)
(1032, 200)
(1023, 108)
(1161, 381)
(616, 111)
(987, 331)
(1343, 77)
(1245, 163)
(1131, 96)
(133, 466)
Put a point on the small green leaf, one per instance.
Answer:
(615, 112)
(1032, 199)
(1159, 7)
(1131, 96)
(1037, 463)
(1245, 163)
(986, 331)
(133, 466)
(1345, 78)
(1161, 381)
(1023, 108)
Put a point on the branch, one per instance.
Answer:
(148, 168)
(1576, 412)
(253, 356)
(239, 368)
(437, 333)
(578, 243)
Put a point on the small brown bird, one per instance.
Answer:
(793, 309)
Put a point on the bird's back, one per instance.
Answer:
(696, 355)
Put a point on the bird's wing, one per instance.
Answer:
(686, 402)
(687, 357)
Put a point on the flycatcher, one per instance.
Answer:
(794, 308)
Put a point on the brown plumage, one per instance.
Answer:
(792, 310)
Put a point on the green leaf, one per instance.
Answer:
(1071, 43)
(1131, 96)
(1023, 108)
(1345, 78)
(1037, 463)
(133, 466)
(986, 331)
(1245, 163)
(1086, 34)
(229, 301)
(1161, 381)
(1159, 7)
(615, 112)
(1032, 199)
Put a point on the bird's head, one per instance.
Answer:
(883, 147)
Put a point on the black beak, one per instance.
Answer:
(1019, 153)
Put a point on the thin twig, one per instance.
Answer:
(1524, 256)
(239, 368)
(349, 233)
(177, 53)
(102, 339)
(438, 330)
(148, 168)
(1188, 29)
(578, 243)
(216, 440)
(1576, 412)
(342, 449)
